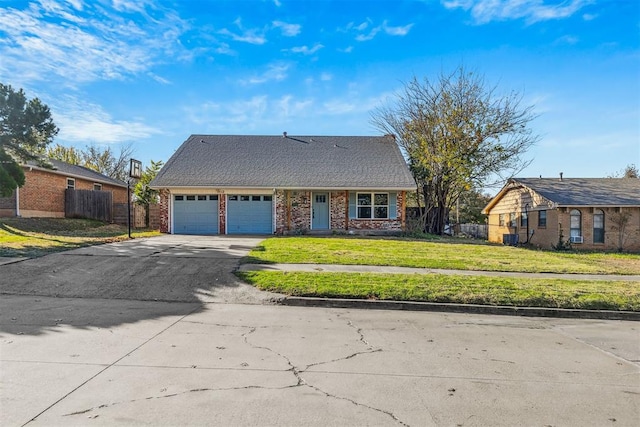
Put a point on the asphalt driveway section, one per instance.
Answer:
(94, 362)
(164, 268)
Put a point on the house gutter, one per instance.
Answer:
(294, 188)
(73, 175)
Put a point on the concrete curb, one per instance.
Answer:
(460, 308)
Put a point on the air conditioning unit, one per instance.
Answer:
(575, 239)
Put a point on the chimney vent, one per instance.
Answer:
(561, 176)
(284, 134)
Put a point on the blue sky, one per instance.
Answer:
(153, 72)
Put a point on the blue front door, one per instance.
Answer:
(320, 211)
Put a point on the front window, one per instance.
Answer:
(524, 219)
(576, 226)
(598, 226)
(71, 183)
(542, 218)
(501, 220)
(373, 205)
(97, 187)
(512, 219)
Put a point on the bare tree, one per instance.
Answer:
(457, 134)
(620, 221)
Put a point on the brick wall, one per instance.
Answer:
(43, 193)
(164, 211)
(8, 205)
(222, 209)
(558, 221)
(293, 213)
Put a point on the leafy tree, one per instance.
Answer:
(145, 196)
(101, 160)
(70, 155)
(457, 134)
(26, 128)
(469, 207)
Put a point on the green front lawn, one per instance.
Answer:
(31, 237)
(438, 254)
(596, 295)
(446, 254)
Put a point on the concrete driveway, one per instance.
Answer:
(165, 268)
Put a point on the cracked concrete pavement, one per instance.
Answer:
(71, 361)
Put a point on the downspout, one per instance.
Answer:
(526, 212)
(17, 201)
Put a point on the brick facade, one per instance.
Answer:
(164, 210)
(558, 222)
(293, 213)
(43, 194)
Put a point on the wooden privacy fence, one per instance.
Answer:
(88, 204)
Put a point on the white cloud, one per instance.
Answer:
(248, 36)
(288, 30)
(484, 11)
(325, 77)
(252, 35)
(83, 42)
(306, 50)
(159, 79)
(243, 115)
(84, 122)
(370, 35)
(397, 31)
(278, 3)
(347, 49)
(274, 72)
(570, 40)
(373, 32)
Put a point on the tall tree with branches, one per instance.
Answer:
(146, 196)
(26, 128)
(458, 133)
(103, 160)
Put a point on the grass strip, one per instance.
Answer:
(451, 254)
(552, 293)
(33, 237)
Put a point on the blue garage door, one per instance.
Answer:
(195, 214)
(249, 214)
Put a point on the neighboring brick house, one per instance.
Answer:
(43, 193)
(238, 184)
(587, 212)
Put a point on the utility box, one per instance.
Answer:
(510, 239)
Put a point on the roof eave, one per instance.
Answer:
(72, 175)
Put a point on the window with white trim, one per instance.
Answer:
(575, 231)
(372, 205)
(71, 184)
(97, 187)
(598, 226)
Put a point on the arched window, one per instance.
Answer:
(598, 226)
(576, 226)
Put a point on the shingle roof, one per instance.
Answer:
(345, 162)
(586, 191)
(76, 171)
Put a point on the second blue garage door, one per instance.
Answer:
(249, 214)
